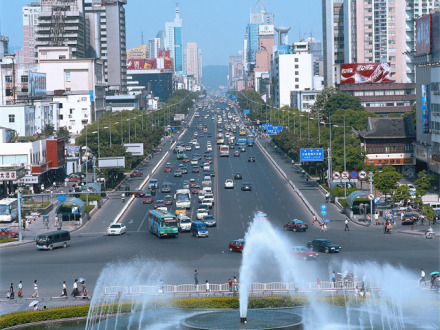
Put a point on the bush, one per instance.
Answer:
(340, 191)
(89, 208)
(92, 197)
(343, 202)
(8, 239)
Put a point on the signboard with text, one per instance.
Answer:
(312, 155)
(423, 35)
(266, 30)
(365, 73)
(37, 84)
(12, 175)
(425, 109)
(111, 162)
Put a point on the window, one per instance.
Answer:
(296, 73)
(296, 79)
(296, 66)
(71, 111)
(61, 117)
(67, 76)
(297, 86)
(369, 93)
(9, 92)
(24, 79)
(8, 79)
(296, 59)
(12, 118)
(378, 93)
(25, 89)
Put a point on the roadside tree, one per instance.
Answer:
(386, 181)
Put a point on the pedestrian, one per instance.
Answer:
(230, 285)
(376, 219)
(64, 294)
(207, 286)
(20, 289)
(346, 225)
(24, 224)
(318, 284)
(11, 292)
(35, 307)
(333, 276)
(196, 277)
(235, 286)
(84, 290)
(35, 295)
(75, 291)
(422, 276)
(361, 209)
(369, 219)
(401, 215)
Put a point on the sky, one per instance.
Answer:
(217, 26)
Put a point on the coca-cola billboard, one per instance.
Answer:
(365, 73)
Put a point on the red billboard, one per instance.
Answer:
(365, 73)
(150, 63)
(163, 53)
(168, 63)
(423, 34)
(135, 64)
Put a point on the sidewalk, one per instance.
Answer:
(315, 196)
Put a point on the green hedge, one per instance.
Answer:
(89, 208)
(92, 197)
(340, 191)
(8, 239)
(343, 202)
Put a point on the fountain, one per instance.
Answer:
(394, 301)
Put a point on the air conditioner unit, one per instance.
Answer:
(70, 116)
(70, 127)
(86, 115)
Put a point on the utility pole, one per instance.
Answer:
(20, 227)
(370, 176)
(329, 174)
(345, 163)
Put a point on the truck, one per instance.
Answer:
(183, 198)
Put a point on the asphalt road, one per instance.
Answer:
(91, 250)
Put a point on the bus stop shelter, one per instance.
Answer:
(72, 209)
(356, 199)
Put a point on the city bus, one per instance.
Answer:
(241, 142)
(8, 209)
(220, 138)
(162, 223)
(242, 131)
(224, 151)
(183, 198)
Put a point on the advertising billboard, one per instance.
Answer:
(37, 84)
(136, 149)
(266, 30)
(163, 53)
(111, 162)
(179, 117)
(423, 35)
(168, 63)
(135, 63)
(365, 73)
(150, 63)
(435, 36)
(425, 109)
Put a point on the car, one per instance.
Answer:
(148, 198)
(231, 146)
(197, 146)
(201, 213)
(237, 153)
(208, 199)
(238, 176)
(243, 149)
(167, 169)
(229, 184)
(246, 186)
(185, 160)
(251, 159)
(185, 184)
(138, 193)
(209, 221)
(210, 173)
(153, 184)
(323, 245)
(296, 225)
(206, 167)
(195, 169)
(195, 161)
(303, 252)
(237, 245)
(192, 182)
(188, 147)
(184, 170)
(159, 203)
(136, 174)
(116, 229)
(8, 232)
(166, 187)
(183, 223)
(178, 173)
(409, 218)
(157, 149)
(168, 200)
(196, 189)
(209, 160)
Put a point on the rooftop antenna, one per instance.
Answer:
(142, 37)
(261, 6)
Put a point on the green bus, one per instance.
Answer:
(162, 223)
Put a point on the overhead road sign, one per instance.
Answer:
(312, 155)
(265, 127)
(246, 111)
(275, 130)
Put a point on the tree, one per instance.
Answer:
(401, 193)
(322, 98)
(386, 181)
(428, 212)
(64, 133)
(48, 130)
(342, 101)
(424, 182)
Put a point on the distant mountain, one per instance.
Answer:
(214, 76)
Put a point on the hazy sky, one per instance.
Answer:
(217, 26)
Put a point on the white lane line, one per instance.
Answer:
(140, 226)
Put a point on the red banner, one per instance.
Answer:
(365, 73)
(150, 63)
(163, 53)
(168, 63)
(135, 64)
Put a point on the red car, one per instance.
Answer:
(138, 193)
(157, 149)
(167, 169)
(296, 225)
(196, 189)
(192, 183)
(303, 253)
(168, 200)
(237, 154)
(159, 203)
(136, 174)
(7, 232)
(148, 198)
(195, 169)
(185, 160)
(237, 245)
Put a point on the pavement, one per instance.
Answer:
(313, 194)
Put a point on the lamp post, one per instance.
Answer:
(300, 129)
(308, 127)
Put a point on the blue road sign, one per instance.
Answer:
(234, 97)
(246, 111)
(377, 200)
(323, 213)
(173, 128)
(312, 155)
(265, 127)
(274, 130)
(61, 198)
(326, 220)
(353, 175)
(323, 207)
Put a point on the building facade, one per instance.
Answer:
(138, 52)
(173, 40)
(27, 54)
(192, 60)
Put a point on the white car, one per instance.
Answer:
(209, 200)
(184, 223)
(201, 213)
(197, 146)
(209, 148)
(116, 229)
(229, 184)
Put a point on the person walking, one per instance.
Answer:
(196, 277)
(11, 292)
(230, 285)
(346, 225)
(35, 295)
(64, 294)
(20, 289)
(84, 290)
(376, 218)
(422, 276)
(75, 291)
(207, 286)
(235, 286)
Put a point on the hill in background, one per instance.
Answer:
(214, 76)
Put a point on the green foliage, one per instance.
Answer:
(64, 133)
(428, 212)
(8, 239)
(89, 208)
(424, 182)
(340, 191)
(48, 130)
(342, 101)
(386, 181)
(343, 202)
(401, 193)
(322, 98)
(90, 198)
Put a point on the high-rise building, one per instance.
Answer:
(62, 23)
(192, 60)
(154, 45)
(173, 40)
(27, 54)
(235, 70)
(138, 52)
(200, 66)
(4, 46)
(107, 36)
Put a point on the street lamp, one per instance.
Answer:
(300, 129)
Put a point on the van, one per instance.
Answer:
(199, 229)
(48, 241)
